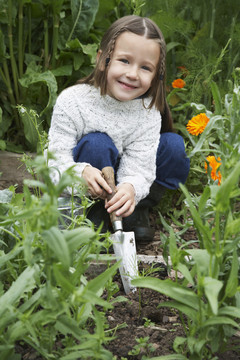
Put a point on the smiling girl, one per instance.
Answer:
(114, 117)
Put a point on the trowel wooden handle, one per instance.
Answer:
(108, 174)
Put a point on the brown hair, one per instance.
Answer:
(144, 27)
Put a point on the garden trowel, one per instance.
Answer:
(124, 245)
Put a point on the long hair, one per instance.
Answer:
(144, 27)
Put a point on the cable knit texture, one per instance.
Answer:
(135, 131)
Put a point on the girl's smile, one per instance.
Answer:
(132, 67)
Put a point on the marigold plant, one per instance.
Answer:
(178, 83)
(214, 164)
(197, 124)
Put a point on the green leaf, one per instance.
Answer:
(94, 299)
(56, 6)
(97, 284)
(2, 145)
(188, 311)
(212, 288)
(171, 289)
(186, 273)
(224, 191)
(77, 237)
(67, 325)
(90, 50)
(173, 250)
(202, 228)
(171, 45)
(217, 98)
(232, 228)
(230, 311)
(203, 199)
(32, 77)
(2, 47)
(57, 243)
(202, 260)
(83, 17)
(65, 70)
(10, 255)
(30, 127)
(63, 279)
(170, 357)
(220, 320)
(232, 283)
(24, 283)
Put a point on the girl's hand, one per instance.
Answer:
(97, 186)
(123, 202)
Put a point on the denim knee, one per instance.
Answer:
(172, 162)
(96, 149)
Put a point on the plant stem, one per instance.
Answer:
(29, 29)
(6, 78)
(76, 21)
(46, 54)
(217, 232)
(12, 58)
(20, 38)
(55, 38)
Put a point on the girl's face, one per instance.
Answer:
(132, 67)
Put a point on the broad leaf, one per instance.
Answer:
(232, 283)
(24, 283)
(57, 243)
(212, 288)
(220, 320)
(171, 289)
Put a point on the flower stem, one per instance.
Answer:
(55, 39)
(20, 38)
(12, 58)
(76, 21)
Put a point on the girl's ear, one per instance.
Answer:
(98, 54)
(101, 66)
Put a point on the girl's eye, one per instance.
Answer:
(125, 61)
(146, 68)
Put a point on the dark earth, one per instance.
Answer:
(139, 317)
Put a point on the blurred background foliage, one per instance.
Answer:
(46, 45)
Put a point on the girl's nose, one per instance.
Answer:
(132, 72)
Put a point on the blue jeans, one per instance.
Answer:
(172, 163)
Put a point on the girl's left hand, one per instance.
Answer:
(123, 202)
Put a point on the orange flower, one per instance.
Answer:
(178, 83)
(183, 70)
(197, 124)
(214, 164)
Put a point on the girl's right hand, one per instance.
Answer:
(97, 186)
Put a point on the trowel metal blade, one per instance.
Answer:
(124, 247)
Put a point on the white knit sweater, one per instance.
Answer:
(135, 131)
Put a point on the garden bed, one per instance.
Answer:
(139, 327)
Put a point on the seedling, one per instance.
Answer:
(142, 347)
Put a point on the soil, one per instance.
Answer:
(143, 318)
(140, 317)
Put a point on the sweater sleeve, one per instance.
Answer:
(138, 162)
(63, 135)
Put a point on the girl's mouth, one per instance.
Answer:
(127, 86)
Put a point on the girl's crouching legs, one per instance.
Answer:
(98, 150)
(172, 168)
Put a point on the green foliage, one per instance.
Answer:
(45, 295)
(47, 46)
(197, 40)
(142, 347)
(207, 292)
(44, 46)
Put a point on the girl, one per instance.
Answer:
(113, 117)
